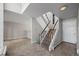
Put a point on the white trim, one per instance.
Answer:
(3, 51)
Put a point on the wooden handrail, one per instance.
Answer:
(45, 27)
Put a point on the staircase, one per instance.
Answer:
(47, 36)
(47, 40)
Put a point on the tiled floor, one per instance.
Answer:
(23, 47)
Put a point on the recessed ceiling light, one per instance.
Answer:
(62, 8)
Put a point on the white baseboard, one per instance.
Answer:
(78, 51)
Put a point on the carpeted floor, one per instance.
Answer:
(23, 47)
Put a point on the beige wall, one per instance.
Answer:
(14, 30)
(17, 26)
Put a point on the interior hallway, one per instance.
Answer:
(23, 47)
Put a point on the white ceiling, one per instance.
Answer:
(16, 7)
(37, 9)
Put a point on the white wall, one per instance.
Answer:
(41, 22)
(36, 30)
(69, 30)
(78, 33)
(17, 26)
(1, 27)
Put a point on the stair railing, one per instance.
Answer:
(54, 28)
(42, 35)
(53, 36)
